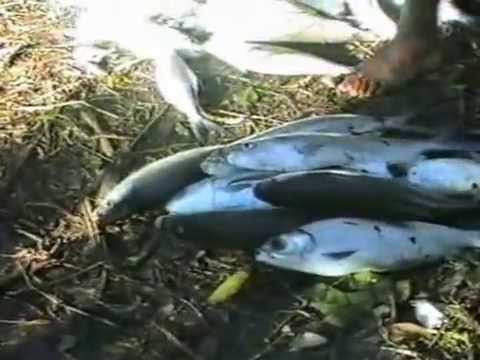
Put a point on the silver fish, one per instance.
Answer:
(306, 151)
(450, 176)
(179, 86)
(341, 246)
(331, 125)
(219, 194)
(153, 185)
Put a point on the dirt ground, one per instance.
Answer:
(124, 290)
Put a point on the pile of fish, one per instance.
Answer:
(329, 195)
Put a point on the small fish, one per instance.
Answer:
(217, 194)
(179, 86)
(449, 176)
(238, 230)
(307, 151)
(153, 185)
(341, 246)
(332, 193)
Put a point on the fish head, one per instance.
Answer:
(265, 154)
(289, 251)
(242, 154)
(113, 206)
(216, 164)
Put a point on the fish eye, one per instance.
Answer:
(278, 244)
(248, 145)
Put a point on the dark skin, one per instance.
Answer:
(415, 50)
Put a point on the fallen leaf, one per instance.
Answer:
(229, 287)
(307, 340)
(406, 330)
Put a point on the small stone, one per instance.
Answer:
(308, 340)
(408, 331)
(427, 314)
(286, 329)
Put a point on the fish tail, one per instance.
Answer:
(203, 126)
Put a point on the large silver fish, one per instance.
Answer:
(219, 194)
(331, 125)
(241, 230)
(450, 176)
(306, 151)
(342, 246)
(153, 185)
(343, 193)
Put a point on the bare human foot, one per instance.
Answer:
(398, 62)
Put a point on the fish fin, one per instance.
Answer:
(247, 180)
(339, 255)
(308, 148)
(252, 176)
(240, 185)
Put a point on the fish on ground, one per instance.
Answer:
(306, 151)
(342, 246)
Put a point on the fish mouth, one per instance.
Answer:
(101, 214)
(217, 165)
(268, 250)
(212, 162)
(263, 255)
(107, 214)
